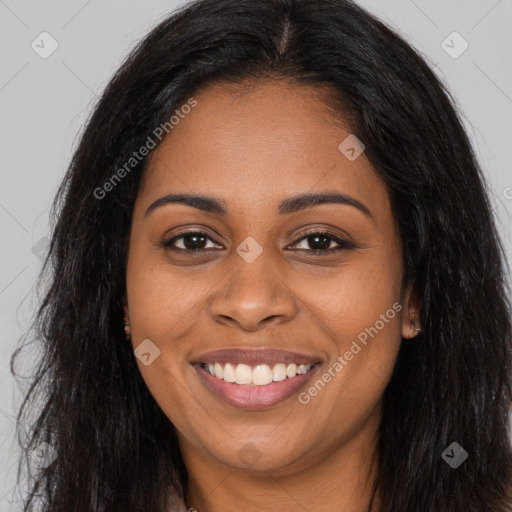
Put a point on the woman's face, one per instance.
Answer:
(265, 293)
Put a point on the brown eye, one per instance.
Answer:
(322, 242)
(189, 241)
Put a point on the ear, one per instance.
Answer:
(411, 322)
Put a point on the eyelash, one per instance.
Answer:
(342, 244)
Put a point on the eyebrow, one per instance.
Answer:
(290, 205)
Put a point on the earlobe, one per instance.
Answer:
(411, 322)
(411, 325)
(415, 326)
(127, 328)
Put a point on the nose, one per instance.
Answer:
(253, 296)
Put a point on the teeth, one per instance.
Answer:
(260, 375)
(302, 369)
(243, 374)
(291, 370)
(279, 372)
(229, 373)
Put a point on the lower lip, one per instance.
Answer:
(254, 397)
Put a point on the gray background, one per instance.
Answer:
(44, 103)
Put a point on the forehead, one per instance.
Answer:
(257, 143)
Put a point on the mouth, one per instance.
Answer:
(255, 379)
(258, 375)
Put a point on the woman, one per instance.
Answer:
(275, 280)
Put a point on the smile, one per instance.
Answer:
(258, 375)
(249, 378)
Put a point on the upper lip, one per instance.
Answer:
(251, 356)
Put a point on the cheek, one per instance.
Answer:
(352, 297)
(163, 300)
(161, 303)
(359, 308)
(361, 373)
(174, 394)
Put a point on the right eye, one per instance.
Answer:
(188, 241)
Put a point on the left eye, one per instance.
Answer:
(320, 241)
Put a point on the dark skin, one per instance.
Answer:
(252, 148)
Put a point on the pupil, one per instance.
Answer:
(194, 237)
(324, 244)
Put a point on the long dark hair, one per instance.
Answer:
(117, 451)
